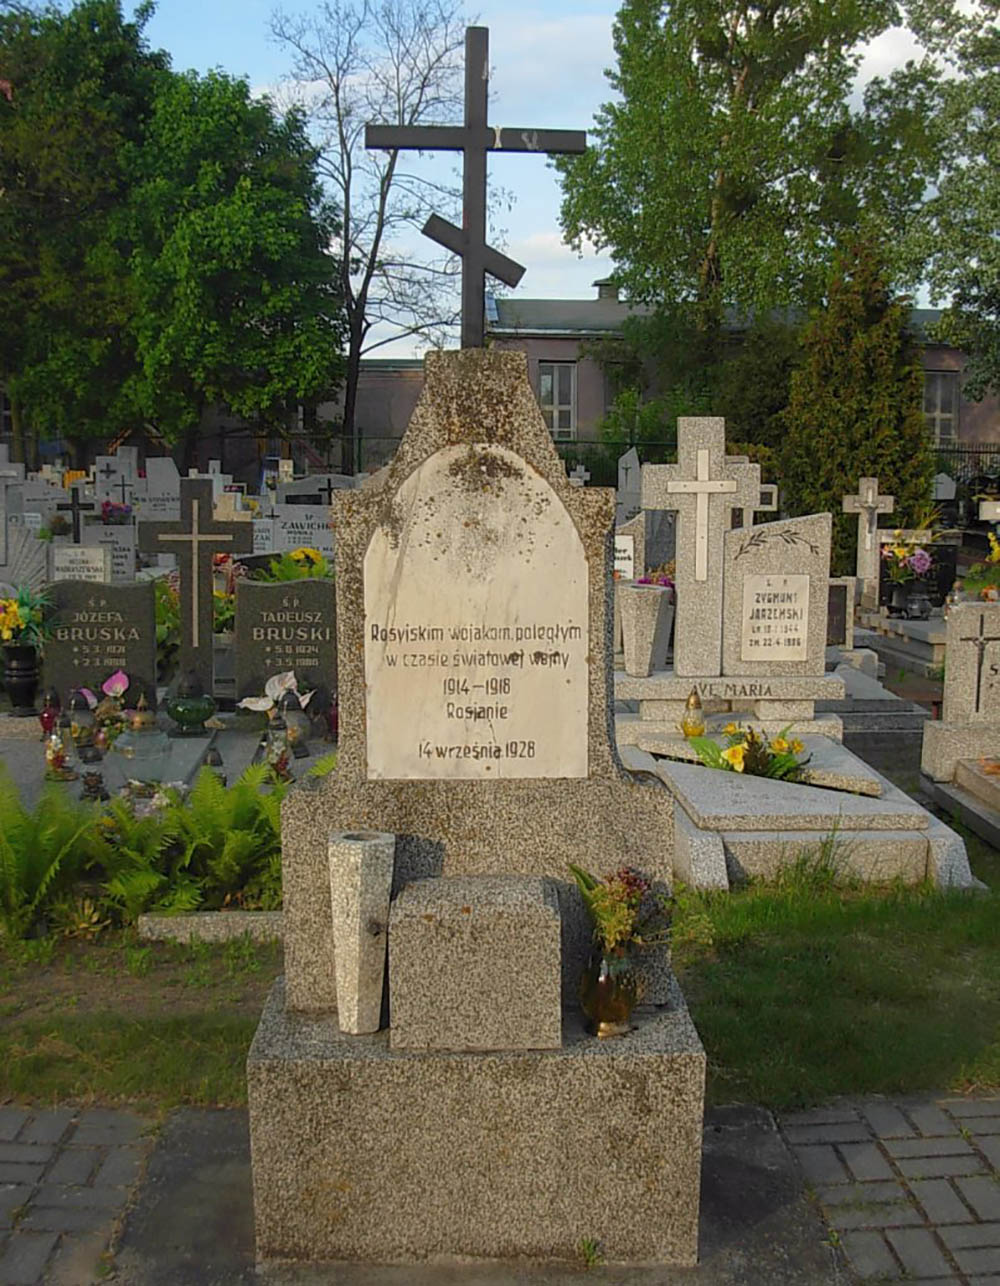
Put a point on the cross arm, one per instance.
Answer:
(455, 138)
(496, 264)
(424, 138)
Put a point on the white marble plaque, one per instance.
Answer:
(81, 562)
(625, 557)
(775, 618)
(476, 625)
(989, 511)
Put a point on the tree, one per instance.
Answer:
(732, 162)
(958, 232)
(856, 405)
(235, 293)
(79, 87)
(391, 62)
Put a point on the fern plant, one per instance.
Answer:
(43, 852)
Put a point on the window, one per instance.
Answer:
(557, 398)
(941, 405)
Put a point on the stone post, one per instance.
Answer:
(361, 866)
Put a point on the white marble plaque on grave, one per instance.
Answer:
(303, 526)
(625, 557)
(775, 618)
(476, 626)
(81, 562)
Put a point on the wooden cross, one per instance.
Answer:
(195, 539)
(474, 140)
(76, 508)
(980, 641)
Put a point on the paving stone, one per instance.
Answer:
(971, 1106)
(11, 1120)
(819, 1116)
(105, 1126)
(887, 1122)
(860, 1194)
(74, 1165)
(979, 1261)
(78, 1259)
(930, 1120)
(27, 1153)
(47, 1127)
(12, 1198)
(23, 1260)
(836, 1132)
(96, 1198)
(898, 1215)
(820, 1164)
(983, 1195)
(990, 1149)
(940, 1201)
(993, 1280)
(972, 1235)
(920, 1253)
(66, 1219)
(939, 1167)
(956, 1146)
(865, 1161)
(12, 1172)
(978, 1126)
(120, 1167)
(870, 1255)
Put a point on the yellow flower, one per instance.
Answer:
(797, 747)
(779, 745)
(994, 555)
(734, 756)
(306, 555)
(730, 730)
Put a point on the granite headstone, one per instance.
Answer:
(98, 630)
(283, 626)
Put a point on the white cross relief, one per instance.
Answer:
(195, 537)
(701, 486)
(868, 504)
(579, 477)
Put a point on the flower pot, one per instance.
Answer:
(647, 614)
(20, 677)
(609, 991)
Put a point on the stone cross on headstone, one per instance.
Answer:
(981, 640)
(108, 472)
(703, 487)
(195, 539)
(579, 477)
(868, 504)
(475, 139)
(76, 507)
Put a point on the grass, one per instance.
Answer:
(804, 990)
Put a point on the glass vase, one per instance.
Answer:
(609, 991)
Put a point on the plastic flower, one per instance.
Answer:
(116, 685)
(920, 561)
(734, 757)
(797, 747)
(779, 745)
(994, 555)
(307, 555)
(274, 689)
(730, 730)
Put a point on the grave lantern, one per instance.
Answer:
(51, 707)
(144, 745)
(298, 724)
(82, 728)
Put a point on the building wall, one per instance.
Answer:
(590, 380)
(978, 422)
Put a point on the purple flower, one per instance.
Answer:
(920, 561)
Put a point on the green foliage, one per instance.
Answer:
(296, 564)
(168, 625)
(731, 160)
(42, 852)
(856, 406)
(752, 752)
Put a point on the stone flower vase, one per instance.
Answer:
(361, 868)
(647, 613)
(20, 677)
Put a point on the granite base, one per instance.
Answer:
(947, 744)
(361, 1152)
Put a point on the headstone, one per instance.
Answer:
(315, 489)
(302, 526)
(969, 727)
(945, 486)
(98, 630)
(159, 499)
(868, 504)
(624, 556)
(840, 613)
(263, 535)
(944, 549)
(775, 607)
(579, 476)
(81, 562)
(194, 540)
(283, 626)
(628, 497)
(76, 507)
(9, 475)
(703, 487)
(119, 540)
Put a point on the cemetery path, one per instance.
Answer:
(874, 1189)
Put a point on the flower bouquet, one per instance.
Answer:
(753, 752)
(983, 579)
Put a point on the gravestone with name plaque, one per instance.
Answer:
(290, 625)
(969, 727)
(98, 630)
(80, 562)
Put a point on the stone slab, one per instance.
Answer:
(972, 675)
(965, 808)
(211, 926)
(361, 1152)
(724, 801)
(657, 739)
(877, 857)
(945, 745)
(667, 686)
(492, 947)
(971, 777)
(699, 856)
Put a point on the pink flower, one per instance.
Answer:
(920, 561)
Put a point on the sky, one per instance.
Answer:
(547, 71)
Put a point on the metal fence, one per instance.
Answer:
(968, 462)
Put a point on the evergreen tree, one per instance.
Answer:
(856, 405)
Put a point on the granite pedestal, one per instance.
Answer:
(365, 1152)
